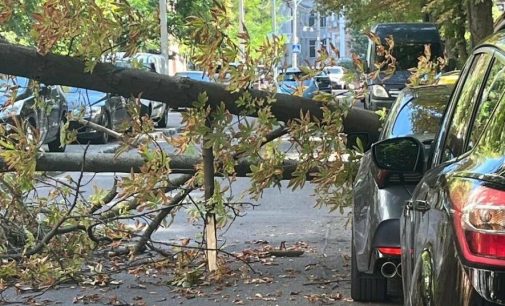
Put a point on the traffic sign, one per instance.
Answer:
(296, 48)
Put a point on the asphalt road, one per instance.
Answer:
(321, 275)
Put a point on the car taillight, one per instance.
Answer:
(479, 221)
(391, 251)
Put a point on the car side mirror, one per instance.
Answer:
(401, 155)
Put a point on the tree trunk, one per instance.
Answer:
(63, 70)
(480, 19)
(210, 216)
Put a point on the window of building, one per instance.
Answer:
(312, 48)
(312, 19)
(322, 21)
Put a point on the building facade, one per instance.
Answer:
(314, 31)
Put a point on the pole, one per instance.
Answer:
(164, 34)
(341, 34)
(294, 36)
(318, 32)
(274, 32)
(274, 17)
(241, 22)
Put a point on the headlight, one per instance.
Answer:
(379, 91)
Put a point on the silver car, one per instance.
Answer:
(379, 196)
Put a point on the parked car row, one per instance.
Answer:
(294, 81)
(429, 197)
(46, 120)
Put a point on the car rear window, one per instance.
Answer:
(420, 116)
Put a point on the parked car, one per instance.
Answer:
(108, 110)
(409, 42)
(194, 75)
(47, 119)
(378, 196)
(336, 75)
(293, 79)
(453, 228)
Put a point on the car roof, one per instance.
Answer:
(427, 92)
(293, 70)
(496, 40)
(190, 72)
(403, 31)
(499, 24)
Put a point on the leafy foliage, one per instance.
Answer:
(52, 235)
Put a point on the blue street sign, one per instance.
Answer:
(296, 48)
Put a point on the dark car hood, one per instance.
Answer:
(398, 79)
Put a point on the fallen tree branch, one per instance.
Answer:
(127, 163)
(153, 226)
(40, 245)
(176, 92)
(133, 203)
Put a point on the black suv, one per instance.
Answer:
(409, 41)
(453, 227)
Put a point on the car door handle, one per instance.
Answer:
(421, 206)
(408, 207)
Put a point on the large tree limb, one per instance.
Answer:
(64, 70)
(126, 163)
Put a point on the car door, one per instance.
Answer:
(449, 146)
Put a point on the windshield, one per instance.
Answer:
(420, 117)
(8, 84)
(407, 54)
(82, 96)
(335, 70)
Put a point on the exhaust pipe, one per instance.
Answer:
(388, 269)
(399, 270)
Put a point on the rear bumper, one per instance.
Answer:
(386, 235)
(488, 284)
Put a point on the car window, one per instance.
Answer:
(466, 101)
(87, 96)
(492, 142)
(493, 90)
(420, 117)
(8, 86)
(197, 76)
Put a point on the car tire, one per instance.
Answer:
(162, 123)
(365, 287)
(103, 138)
(55, 145)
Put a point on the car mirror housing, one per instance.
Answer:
(401, 155)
